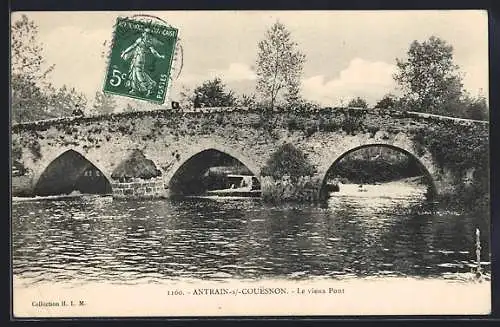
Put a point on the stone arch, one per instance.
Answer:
(426, 166)
(63, 171)
(192, 152)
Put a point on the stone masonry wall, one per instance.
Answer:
(170, 138)
(139, 189)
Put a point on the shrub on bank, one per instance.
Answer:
(304, 189)
(287, 176)
(470, 150)
(287, 161)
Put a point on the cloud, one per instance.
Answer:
(366, 79)
(236, 72)
(370, 80)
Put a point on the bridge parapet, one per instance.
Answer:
(236, 112)
(447, 146)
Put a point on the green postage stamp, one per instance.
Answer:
(140, 60)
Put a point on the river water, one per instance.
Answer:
(389, 230)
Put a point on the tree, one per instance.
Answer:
(388, 101)
(279, 65)
(28, 72)
(429, 78)
(104, 103)
(33, 97)
(213, 93)
(64, 101)
(186, 98)
(358, 103)
(247, 100)
(26, 51)
(476, 108)
(28, 101)
(287, 160)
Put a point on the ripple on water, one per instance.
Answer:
(353, 236)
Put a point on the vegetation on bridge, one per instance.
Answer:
(135, 166)
(458, 147)
(458, 153)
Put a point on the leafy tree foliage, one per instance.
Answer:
(26, 56)
(28, 100)
(28, 72)
(186, 98)
(287, 160)
(429, 78)
(33, 97)
(476, 108)
(388, 101)
(279, 66)
(358, 103)
(64, 101)
(104, 103)
(247, 100)
(213, 93)
(470, 150)
(431, 82)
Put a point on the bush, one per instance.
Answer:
(304, 189)
(287, 161)
(329, 125)
(470, 150)
(351, 125)
(35, 148)
(311, 128)
(293, 123)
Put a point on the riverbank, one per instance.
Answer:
(313, 296)
(72, 195)
(301, 190)
(403, 188)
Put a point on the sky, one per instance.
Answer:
(348, 53)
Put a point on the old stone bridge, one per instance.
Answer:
(174, 140)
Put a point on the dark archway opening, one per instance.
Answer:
(213, 172)
(71, 172)
(377, 164)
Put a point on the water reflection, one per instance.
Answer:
(103, 240)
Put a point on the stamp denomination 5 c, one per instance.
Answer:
(140, 59)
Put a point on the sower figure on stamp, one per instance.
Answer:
(138, 80)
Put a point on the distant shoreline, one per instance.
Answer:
(415, 180)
